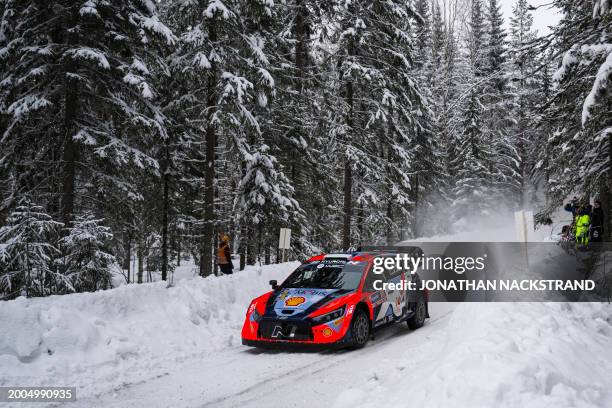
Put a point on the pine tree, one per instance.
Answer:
(506, 176)
(580, 149)
(472, 161)
(86, 265)
(27, 252)
(527, 96)
(80, 93)
(380, 110)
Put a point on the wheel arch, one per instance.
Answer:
(367, 309)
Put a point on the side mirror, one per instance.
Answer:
(274, 284)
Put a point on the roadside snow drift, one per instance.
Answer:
(99, 341)
(500, 355)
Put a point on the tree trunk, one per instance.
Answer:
(606, 198)
(178, 249)
(348, 171)
(140, 255)
(390, 218)
(128, 256)
(243, 232)
(165, 208)
(69, 155)
(267, 249)
(415, 211)
(347, 207)
(250, 255)
(206, 261)
(301, 33)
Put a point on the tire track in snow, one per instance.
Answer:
(387, 338)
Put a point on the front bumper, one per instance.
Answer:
(273, 332)
(295, 345)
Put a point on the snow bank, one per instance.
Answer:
(501, 354)
(101, 340)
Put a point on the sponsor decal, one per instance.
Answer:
(336, 324)
(252, 307)
(300, 299)
(350, 310)
(327, 332)
(283, 295)
(278, 332)
(312, 292)
(376, 298)
(295, 301)
(334, 262)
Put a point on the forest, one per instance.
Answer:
(140, 129)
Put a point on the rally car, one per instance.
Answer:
(332, 300)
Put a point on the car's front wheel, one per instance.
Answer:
(360, 329)
(420, 313)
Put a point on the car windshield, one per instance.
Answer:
(325, 275)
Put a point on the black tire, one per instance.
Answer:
(360, 329)
(420, 313)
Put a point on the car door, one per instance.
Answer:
(396, 298)
(377, 297)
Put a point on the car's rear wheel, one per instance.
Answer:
(360, 329)
(420, 313)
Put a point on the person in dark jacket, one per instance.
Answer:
(597, 222)
(572, 206)
(224, 255)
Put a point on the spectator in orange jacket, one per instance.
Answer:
(224, 255)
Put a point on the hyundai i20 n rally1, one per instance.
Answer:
(332, 301)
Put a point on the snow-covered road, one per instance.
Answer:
(244, 377)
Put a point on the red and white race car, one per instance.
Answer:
(334, 300)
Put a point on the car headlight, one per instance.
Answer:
(328, 317)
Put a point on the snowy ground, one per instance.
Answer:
(148, 346)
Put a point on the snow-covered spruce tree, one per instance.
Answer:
(379, 111)
(27, 252)
(473, 158)
(449, 72)
(6, 36)
(296, 121)
(472, 161)
(540, 146)
(526, 94)
(505, 179)
(430, 172)
(85, 264)
(81, 111)
(264, 176)
(579, 112)
(263, 198)
(223, 52)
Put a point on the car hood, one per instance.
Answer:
(293, 301)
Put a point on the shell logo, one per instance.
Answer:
(295, 301)
(327, 332)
